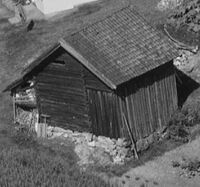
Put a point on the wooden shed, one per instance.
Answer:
(118, 65)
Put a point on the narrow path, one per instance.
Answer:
(160, 172)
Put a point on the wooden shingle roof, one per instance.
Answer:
(121, 46)
(116, 47)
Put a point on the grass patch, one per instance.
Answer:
(27, 161)
(42, 167)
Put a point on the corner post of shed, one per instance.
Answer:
(14, 106)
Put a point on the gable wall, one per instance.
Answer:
(61, 94)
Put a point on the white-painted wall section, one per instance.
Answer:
(52, 6)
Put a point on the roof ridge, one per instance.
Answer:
(97, 20)
(111, 13)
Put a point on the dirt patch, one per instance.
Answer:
(160, 171)
(4, 12)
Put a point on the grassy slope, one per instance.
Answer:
(17, 47)
(25, 161)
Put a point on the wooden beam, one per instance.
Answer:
(39, 58)
(14, 108)
(131, 137)
(86, 63)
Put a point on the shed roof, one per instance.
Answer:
(117, 47)
(122, 46)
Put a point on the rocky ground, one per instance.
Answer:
(161, 172)
(93, 149)
(103, 151)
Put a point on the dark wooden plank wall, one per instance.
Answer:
(104, 113)
(62, 95)
(78, 100)
(103, 107)
(103, 110)
(150, 101)
(93, 82)
(147, 102)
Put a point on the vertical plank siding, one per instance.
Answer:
(104, 113)
(147, 102)
(150, 100)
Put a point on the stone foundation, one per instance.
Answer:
(102, 150)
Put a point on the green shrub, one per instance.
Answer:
(181, 122)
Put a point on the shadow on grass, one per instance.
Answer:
(185, 86)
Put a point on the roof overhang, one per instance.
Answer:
(39, 59)
(33, 64)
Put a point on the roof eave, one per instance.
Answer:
(34, 63)
(13, 85)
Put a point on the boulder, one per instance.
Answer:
(76, 133)
(88, 136)
(69, 131)
(107, 147)
(84, 153)
(50, 128)
(120, 142)
(142, 145)
(79, 140)
(118, 160)
(58, 129)
(194, 132)
(156, 136)
(122, 152)
(49, 134)
(105, 140)
(101, 157)
(114, 152)
(66, 135)
(57, 134)
(105, 143)
(150, 139)
(92, 144)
